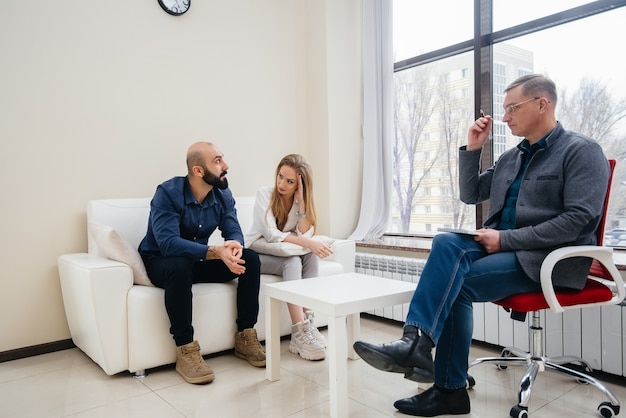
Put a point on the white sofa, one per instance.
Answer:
(124, 326)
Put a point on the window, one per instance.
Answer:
(442, 77)
(430, 121)
(411, 18)
(507, 13)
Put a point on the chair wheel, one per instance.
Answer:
(519, 412)
(608, 410)
(501, 366)
(471, 382)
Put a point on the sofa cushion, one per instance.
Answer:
(285, 249)
(116, 248)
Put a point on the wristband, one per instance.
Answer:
(301, 215)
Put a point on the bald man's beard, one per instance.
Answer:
(215, 181)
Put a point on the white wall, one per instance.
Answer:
(101, 99)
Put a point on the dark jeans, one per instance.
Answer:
(175, 275)
(458, 272)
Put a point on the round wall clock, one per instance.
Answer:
(175, 7)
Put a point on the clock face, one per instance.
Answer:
(175, 7)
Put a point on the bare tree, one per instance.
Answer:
(592, 111)
(414, 105)
(451, 136)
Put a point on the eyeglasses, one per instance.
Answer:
(512, 108)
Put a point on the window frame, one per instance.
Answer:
(482, 48)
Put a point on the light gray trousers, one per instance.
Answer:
(291, 268)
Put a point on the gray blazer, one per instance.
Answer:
(560, 200)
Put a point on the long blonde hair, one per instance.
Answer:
(298, 163)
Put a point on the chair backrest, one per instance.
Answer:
(602, 226)
(597, 269)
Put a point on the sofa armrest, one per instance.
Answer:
(94, 295)
(344, 252)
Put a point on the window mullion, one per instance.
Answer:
(483, 94)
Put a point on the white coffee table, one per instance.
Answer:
(342, 297)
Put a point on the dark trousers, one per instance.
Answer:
(175, 275)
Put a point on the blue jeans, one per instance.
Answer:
(458, 272)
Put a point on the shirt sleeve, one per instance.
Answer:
(229, 224)
(165, 222)
(292, 223)
(474, 187)
(264, 220)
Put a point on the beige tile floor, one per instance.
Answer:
(69, 384)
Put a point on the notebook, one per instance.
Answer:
(458, 231)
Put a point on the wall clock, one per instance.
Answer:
(175, 7)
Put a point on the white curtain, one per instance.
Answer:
(377, 120)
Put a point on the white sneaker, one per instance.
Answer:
(303, 342)
(310, 315)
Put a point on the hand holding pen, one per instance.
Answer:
(479, 132)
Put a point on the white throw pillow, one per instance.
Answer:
(285, 249)
(116, 248)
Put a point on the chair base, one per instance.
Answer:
(535, 365)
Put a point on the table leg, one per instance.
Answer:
(354, 333)
(338, 368)
(272, 339)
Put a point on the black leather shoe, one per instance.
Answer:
(411, 355)
(435, 401)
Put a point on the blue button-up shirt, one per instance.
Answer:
(180, 226)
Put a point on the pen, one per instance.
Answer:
(482, 114)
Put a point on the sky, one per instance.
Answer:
(588, 47)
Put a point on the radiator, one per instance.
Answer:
(392, 267)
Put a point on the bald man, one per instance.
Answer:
(184, 212)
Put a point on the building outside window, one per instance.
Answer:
(437, 94)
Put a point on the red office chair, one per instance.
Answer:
(604, 287)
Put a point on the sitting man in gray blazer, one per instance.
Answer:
(546, 193)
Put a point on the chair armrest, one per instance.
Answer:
(344, 252)
(94, 296)
(603, 254)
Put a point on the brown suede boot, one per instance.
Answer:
(248, 347)
(191, 366)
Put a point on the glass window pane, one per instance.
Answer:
(432, 111)
(434, 102)
(420, 28)
(507, 13)
(588, 72)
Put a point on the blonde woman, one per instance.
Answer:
(285, 212)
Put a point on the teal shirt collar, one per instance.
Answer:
(525, 146)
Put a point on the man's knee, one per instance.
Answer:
(253, 264)
(449, 239)
(170, 270)
(443, 239)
